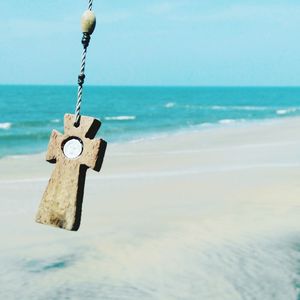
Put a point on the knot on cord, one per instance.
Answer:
(86, 39)
(81, 79)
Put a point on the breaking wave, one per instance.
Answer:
(285, 111)
(6, 125)
(169, 105)
(120, 118)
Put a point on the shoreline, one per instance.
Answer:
(193, 129)
(255, 136)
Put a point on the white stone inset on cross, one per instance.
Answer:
(73, 148)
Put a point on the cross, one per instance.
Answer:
(73, 153)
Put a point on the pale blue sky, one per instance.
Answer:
(143, 42)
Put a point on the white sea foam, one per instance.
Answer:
(206, 124)
(226, 121)
(285, 111)
(120, 118)
(217, 107)
(6, 125)
(230, 107)
(55, 120)
(255, 108)
(169, 105)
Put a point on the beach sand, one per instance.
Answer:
(209, 214)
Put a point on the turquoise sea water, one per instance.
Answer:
(29, 113)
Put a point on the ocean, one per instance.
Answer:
(29, 113)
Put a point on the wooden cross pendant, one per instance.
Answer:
(73, 152)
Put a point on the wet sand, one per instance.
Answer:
(209, 214)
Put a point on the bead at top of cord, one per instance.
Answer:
(88, 22)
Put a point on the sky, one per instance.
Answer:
(145, 42)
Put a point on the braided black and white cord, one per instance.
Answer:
(90, 4)
(85, 42)
(80, 87)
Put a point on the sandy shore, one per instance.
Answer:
(210, 214)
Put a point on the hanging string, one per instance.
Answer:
(85, 42)
(90, 4)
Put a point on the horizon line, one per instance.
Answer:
(150, 86)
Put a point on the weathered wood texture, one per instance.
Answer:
(62, 201)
